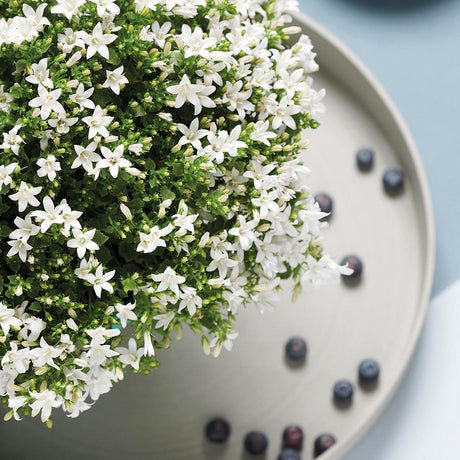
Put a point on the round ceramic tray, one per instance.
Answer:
(162, 416)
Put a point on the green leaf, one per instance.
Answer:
(100, 238)
(113, 57)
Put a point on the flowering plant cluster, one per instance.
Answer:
(149, 179)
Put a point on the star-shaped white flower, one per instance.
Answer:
(86, 156)
(98, 123)
(113, 160)
(130, 356)
(40, 74)
(20, 247)
(12, 140)
(7, 319)
(50, 215)
(45, 401)
(48, 167)
(68, 8)
(83, 241)
(97, 42)
(115, 78)
(125, 313)
(5, 174)
(47, 101)
(82, 97)
(100, 280)
(169, 279)
(25, 196)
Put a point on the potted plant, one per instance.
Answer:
(150, 180)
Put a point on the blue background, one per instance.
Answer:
(413, 48)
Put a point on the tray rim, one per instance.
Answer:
(424, 203)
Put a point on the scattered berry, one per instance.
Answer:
(365, 159)
(355, 263)
(218, 430)
(323, 442)
(289, 454)
(296, 348)
(343, 390)
(368, 371)
(256, 443)
(393, 181)
(325, 202)
(293, 437)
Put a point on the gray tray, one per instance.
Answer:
(161, 417)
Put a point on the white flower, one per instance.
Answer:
(113, 160)
(195, 44)
(97, 123)
(15, 403)
(169, 279)
(19, 246)
(7, 319)
(148, 345)
(45, 354)
(152, 240)
(45, 401)
(283, 114)
(48, 167)
(99, 353)
(100, 280)
(132, 355)
(291, 82)
(19, 358)
(47, 101)
(40, 74)
(25, 196)
(105, 7)
(5, 174)
(261, 134)
(160, 34)
(164, 320)
(36, 17)
(62, 123)
(83, 241)
(5, 99)
(100, 334)
(97, 42)
(69, 39)
(195, 93)
(50, 215)
(184, 221)
(192, 134)
(12, 140)
(244, 232)
(115, 79)
(68, 8)
(69, 217)
(126, 313)
(86, 156)
(266, 203)
(238, 99)
(189, 300)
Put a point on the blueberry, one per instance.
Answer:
(218, 430)
(368, 371)
(355, 263)
(323, 442)
(343, 390)
(393, 181)
(256, 443)
(325, 202)
(293, 437)
(289, 454)
(296, 348)
(365, 159)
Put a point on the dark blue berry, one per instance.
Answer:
(289, 454)
(368, 371)
(365, 159)
(293, 437)
(325, 202)
(255, 443)
(218, 430)
(355, 263)
(296, 348)
(343, 390)
(393, 181)
(323, 442)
